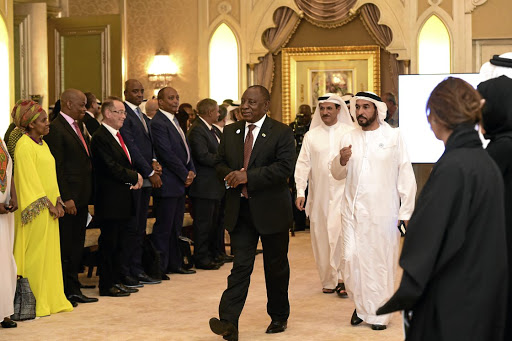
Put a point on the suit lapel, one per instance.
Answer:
(263, 137)
(175, 131)
(208, 133)
(239, 143)
(136, 118)
(116, 144)
(72, 131)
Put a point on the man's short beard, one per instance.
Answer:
(369, 121)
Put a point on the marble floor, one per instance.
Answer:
(179, 309)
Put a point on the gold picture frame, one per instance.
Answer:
(309, 72)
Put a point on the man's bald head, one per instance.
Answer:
(72, 102)
(151, 107)
(133, 91)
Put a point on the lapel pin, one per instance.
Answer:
(238, 131)
(263, 135)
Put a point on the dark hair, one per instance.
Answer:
(455, 102)
(206, 105)
(184, 105)
(263, 91)
(90, 99)
(390, 97)
(223, 111)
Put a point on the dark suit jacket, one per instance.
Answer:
(270, 166)
(74, 168)
(90, 123)
(172, 155)
(203, 147)
(113, 174)
(138, 141)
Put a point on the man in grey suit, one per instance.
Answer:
(207, 189)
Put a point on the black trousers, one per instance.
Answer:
(112, 238)
(72, 237)
(244, 239)
(206, 213)
(220, 246)
(169, 214)
(134, 234)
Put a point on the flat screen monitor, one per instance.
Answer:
(413, 94)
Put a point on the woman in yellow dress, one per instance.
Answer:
(36, 244)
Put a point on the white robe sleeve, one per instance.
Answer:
(338, 171)
(406, 183)
(303, 167)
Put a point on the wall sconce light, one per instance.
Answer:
(162, 69)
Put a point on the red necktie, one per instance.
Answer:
(247, 155)
(79, 133)
(123, 146)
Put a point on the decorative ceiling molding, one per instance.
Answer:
(470, 5)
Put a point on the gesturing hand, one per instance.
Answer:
(345, 154)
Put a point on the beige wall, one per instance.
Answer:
(170, 25)
(93, 7)
(493, 20)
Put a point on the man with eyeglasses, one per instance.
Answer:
(136, 131)
(114, 206)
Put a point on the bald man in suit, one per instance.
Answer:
(255, 158)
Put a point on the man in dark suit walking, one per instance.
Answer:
(137, 134)
(74, 174)
(256, 158)
(178, 172)
(114, 206)
(207, 189)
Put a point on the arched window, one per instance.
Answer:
(223, 65)
(4, 80)
(434, 47)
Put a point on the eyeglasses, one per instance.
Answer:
(122, 112)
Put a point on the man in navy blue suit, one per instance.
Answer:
(137, 134)
(178, 172)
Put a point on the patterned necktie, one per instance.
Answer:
(247, 155)
(141, 118)
(214, 133)
(80, 136)
(177, 125)
(121, 141)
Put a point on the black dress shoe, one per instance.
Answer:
(126, 289)
(80, 298)
(226, 258)
(183, 271)
(114, 292)
(130, 282)
(8, 323)
(165, 277)
(145, 279)
(378, 327)
(276, 327)
(208, 266)
(73, 303)
(224, 328)
(355, 320)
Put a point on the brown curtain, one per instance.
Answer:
(383, 35)
(326, 13)
(274, 39)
